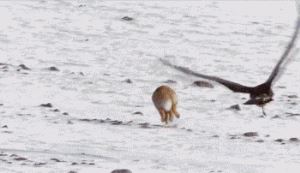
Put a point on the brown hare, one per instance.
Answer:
(165, 101)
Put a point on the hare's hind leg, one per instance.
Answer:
(171, 117)
(174, 110)
(167, 117)
(162, 115)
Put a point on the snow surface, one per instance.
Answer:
(103, 117)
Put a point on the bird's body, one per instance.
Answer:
(260, 95)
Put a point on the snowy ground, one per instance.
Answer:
(100, 121)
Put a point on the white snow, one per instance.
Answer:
(96, 52)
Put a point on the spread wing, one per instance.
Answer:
(235, 87)
(285, 53)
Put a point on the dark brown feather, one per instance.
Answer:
(285, 53)
(235, 87)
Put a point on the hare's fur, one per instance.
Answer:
(165, 101)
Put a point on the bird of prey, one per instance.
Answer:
(260, 94)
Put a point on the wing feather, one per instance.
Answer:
(285, 53)
(235, 87)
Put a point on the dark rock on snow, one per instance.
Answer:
(203, 84)
(47, 105)
(24, 67)
(126, 18)
(121, 171)
(294, 139)
(250, 134)
(235, 107)
(53, 68)
(138, 113)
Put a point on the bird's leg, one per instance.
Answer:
(263, 111)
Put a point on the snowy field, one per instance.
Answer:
(98, 72)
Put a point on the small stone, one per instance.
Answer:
(20, 158)
(121, 171)
(215, 136)
(128, 81)
(39, 164)
(65, 113)
(8, 132)
(293, 103)
(53, 68)
(235, 107)
(292, 96)
(279, 140)
(292, 114)
(260, 141)
(5, 126)
(144, 125)
(126, 18)
(170, 81)
(3, 154)
(116, 122)
(275, 117)
(128, 123)
(138, 113)
(24, 67)
(56, 160)
(72, 172)
(84, 119)
(4, 67)
(55, 110)
(74, 163)
(250, 134)
(47, 105)
(294, 139)
(234, 137)
(203, 84)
